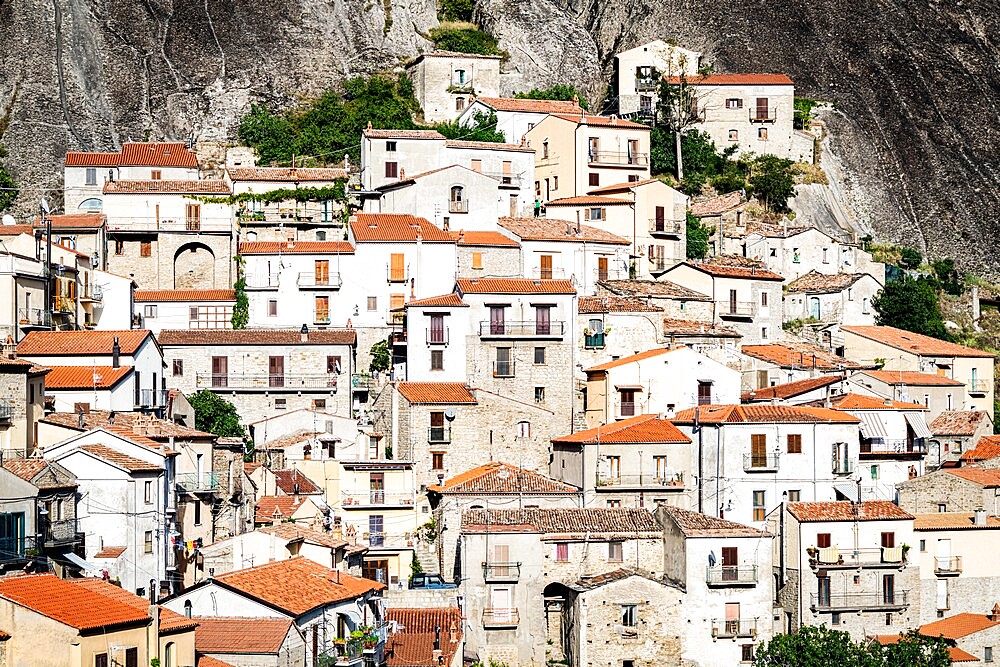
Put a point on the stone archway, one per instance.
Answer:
(194, 267)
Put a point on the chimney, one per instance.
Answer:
(116, 352)
(994, 614)
(979, 517)
(304, 334)
(437, 638)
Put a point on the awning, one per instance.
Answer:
(848, 491)
(80, 563)
(871, 425)
(629, 387)
(917, 423)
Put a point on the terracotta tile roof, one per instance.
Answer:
(514, 286)
(296, 531)
(652, 288)
(592, 305)
(69, 604)
(250, 467)
(450, 300)
(110, 552)
(488, 145)
(297, 585)
(694, 524)
(296, 248)
(124, 461)
(452, 54)
(269, 508)
(952, 521)
(286, 174)
(257, 337)
(815, 282)
(623, 187)
(616, 520)
(865, 402)
(17, 366)
(844, 510)
(502, 478)
(987, 448)
(529, 105)
(141, 296)
(494, 239)
(437, 393)
(402, 134)
(716, 205)
(955, 654)
(214, 187)
(82, 377)
(547, 229)
(763, 413)
(209, 661)
(733, 80)
(914, 343)
(588, 200)
(719, 270)
(957, 626)
(673, 327)
(592, 581)
(290, 439)
(799, 356)
(913, 378)
(985, 477)
(233, 634)
(170, 621)
(30, 470)
(637, 430)
(58, 343)
(632, 358)
(413, 646)
(75, 221)
(949, 422)
(138, 154)
(131, 425)
(287, 479)
(791, 389)
(602, 121)
(395, 227)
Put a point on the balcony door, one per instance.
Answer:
(758, 450)
(437, 427)
(823, 592)
(602, 268)
(628, 402)
(543, 320)
(502, 603)
(594, 145)
(437, 328)
(322, 267)
(220, 372)
(660, 219)
(501, 558)
(888, 589)
(376, 487)
(497, 320)
(732, 618)
(704, 393)
(276, 371)
(730, 562)
(376, 530)
(943, 555)
(762, 108)
(193, 217)
(545, 267)
(732, 301)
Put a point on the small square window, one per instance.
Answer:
(145, 249)
(746, 653)
(762, 134)
(321, 236)
(734, 135)
(562, 552)
(629, 614)
(539, 356)
(390, 146)
(391, 169)
(942, 507)
(280, 404)
(272, 308)
(437, 460)
(437, 360)
(594, 180)
(178, 367)
(155, 175)
(319, 404)
(835, 618)
(149, 311)
(373, 303)
(539, 394)
(793, 495)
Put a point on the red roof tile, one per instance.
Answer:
(402, 134)
(269, 508)
(865, 402)
(493, 239)
(59, 343)
(209, 661)
(815, 282)
(504, 479)
(85, 377)
(30, 469)
(287, 480)
(913, 378)
(291, 439)
(170, 621)
(436, 393)
(257, 337)
(413, 645)
(488, 145)
(914, 343)
(762, 413)
(124, 461)
(632, 358)
(656, 289)
(953, 521)
(548, 229)
(298, 585)
(844, 510)
(588, 200)
(514, 286)
(298, 531)
(732, 80)
(132, 425)
(695, 524)
(580, 521)
(799, 356)
(395, 227)
(988, 478)
(213, 187)
(231, 634)
(450, 300)
(110, 552)
(634, 430)
(162, 296)
(69, 604)
(452, 54)
(296, 248)
(791, 389)
(137, 154)
(728, 271)
(530, 106)
(75, 221)
(987, 448)
(592, 305)
(286, 174)
(949, 422)
(957, 626)
(955, 654)
(604, 121)
(673, 327)
(716, 205)
(623, 187)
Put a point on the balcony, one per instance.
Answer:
(324, 282)
(94, 295)
(661, 227)
(522, 329)
(391, 541)
(843, 467)
(737, 310)
(461, 85)
(6, 413)
(506, 180)
(349, 654)
(724, 576)
(501, 572)
(761, 462)
(593, 341)
(980, 387)
(34, 318)
(646, 85)
(63, 304)
(153, 398)
(258, 281)
(548, 273)
(396, 274)
(611, 274)
(437, 336)
(461, 206)
(618, 482)
(658, 264)
(882, 447)
(884, 601)
(439, 435)
(267, 382)
(503, 369)
(762, 116)
(731, 628)
(376, 498)
(173, 225)
(948, 567)
(61, 533)
(16, 548)
(363, 382)
(501, 617)
(832, 558)
(619, 159)
(193, 482)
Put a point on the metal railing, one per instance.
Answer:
(734, 627)
(646, 84)
(661, 226)
(6, 413)
(488, 328)
(308, 280)
(660, 481)
(737, 308)
(461, 206)
(193, 481)
(761, 462)
(980, 386)
(946, 566)
(439, 434)
(94, 293)
(731, 575)
(501, 571)
(611, 274)
(265, 381)
(893, 446)
(548, 273)
(376, 497)
(388, 540)
(16, 548)
(593, 340)
(180, 224)
(437, 336)
(618, 158)
(501, 617)
(767, 117)
(892, 599)
(8, 454)
(34, 317)
(503, 369)
(514, 180)
(63, 531)
(396, 275)
(843, 467)
(265, 281)
(832, 557)
(153, 398)
(363, 382)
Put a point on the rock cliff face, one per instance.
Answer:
(915, 84)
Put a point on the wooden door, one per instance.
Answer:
(543, 321)
(660, 219)
(437, 427)
(704, 393)
(376, 486)
(322, 271)
(496, 320)
(220, 372)
(193, 217)
(437, 329)
(545, 267)
(501, 558)
(758, 450)
(397, 269)
(276, 371)
(732, 301)
(602, 268)
(762, 110)
(730, 563)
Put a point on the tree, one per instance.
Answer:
(771, 181)
(560, 91)
(676, 110)
(483, 128)
(915, 649)
(910, 258)
(465, 40)
(948, 277)
(812, 646)
(8, 189)
(216, 415)
(697, 237)
(455, 10)
(381, 358)
(802, 112)
(911, 304)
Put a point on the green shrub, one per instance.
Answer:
(802, 114)
(910, 258)
(560, 91)
(465, 40)
(455, 10)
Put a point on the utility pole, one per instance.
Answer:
(47, 272)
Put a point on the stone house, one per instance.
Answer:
(514, 559)
(964, 489)
(157, 310)
(971, 637)
(716, 342)
(444, 82)
(903, 350)
(765, 454)
(515, 116)
(954, 432)
(725, 571)
(85, 174)
(308, 510)
(846, 565)
(677, 302)
(747, 297)
(639, 462)
(276, 542)
(264, 370)
(772, 364)
(819, 390)
(432, 353)
(724, 214)
(657, 381)
(841, 298)
(84, 232)
(797, 251)
(489, 254)
(615, 327)
(249, 642)
(163, 237)
(639, 70)
(56, 532)
(22, 386)
(937, 393)
(660, 219)
(425, 636)
(575, 153)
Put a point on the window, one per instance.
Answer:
(210, 317)
(437, 360)
(197, 512)
(835, 618)
(595, 214)
(627, 403)
(147, 494)
(390, 146)
(148, 546)
(562, 552)
(497, 327)
(763, 299)
(615, 552)
(459, 104)
(272, 308)
(545, 152)
(734, 103)
(539, 356)
(794, 443)
(593, 180)
(704, 392)
(758, 505)
(763, 333)
(614, 503)
(539, 394)
(629, 615)
(437, 460)
(392, 170)
(145, 249)
(555, 182)
(436, 334)
(119, 247)
(762, 134)
(942, 507)
(888, 588)
(865, 305)
(874, 471)
(397, 268)
(155, 175)
(746, 653)
(734, 135)
(149, 311)
(826, 258)
(373, 303)
(615, 467)
(101, 659)
(987, 654)
(794, 495)
(543, 320)
(888, 540)
(280, 403)
(923, 546)
(477, 260)
(504, 366)
(322, 309)
(538, 189)
(91, 176)
(319, 404)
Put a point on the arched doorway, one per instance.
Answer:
(194, 267)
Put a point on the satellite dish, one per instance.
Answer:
(8, 219)
(450, 414)
(45, 206)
